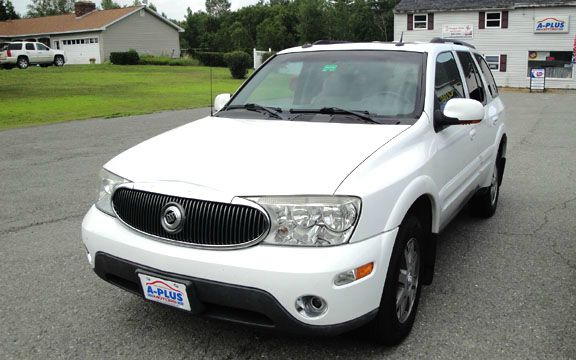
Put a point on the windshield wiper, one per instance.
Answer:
(364, 115)
(274, 111)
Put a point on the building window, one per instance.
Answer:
(420, 21)
(557, 64)
(493, 62)
(494, 20)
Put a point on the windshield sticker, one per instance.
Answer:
(330, 68)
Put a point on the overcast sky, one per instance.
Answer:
(174, 9)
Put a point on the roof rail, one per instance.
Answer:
(329, 42)
(438, 40)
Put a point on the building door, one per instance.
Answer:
(80, 51)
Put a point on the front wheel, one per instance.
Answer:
(58, 61)
(402, 288)
(484, 203)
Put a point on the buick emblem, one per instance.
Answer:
(173, 217)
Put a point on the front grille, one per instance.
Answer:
(207, 223)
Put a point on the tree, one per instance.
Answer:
(38, 8)
(7, 11)
(217, 7)
(241, 40)
(136, 3)
(152, 7)
(273, 34)
(311, 25)
(109, 4)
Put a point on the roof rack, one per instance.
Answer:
(329, 42)
(438, 40)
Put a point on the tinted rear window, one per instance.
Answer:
(15, 46)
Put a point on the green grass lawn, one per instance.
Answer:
(47, 95)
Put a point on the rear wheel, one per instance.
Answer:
(58, 61)
(23, 62)
(401, 293)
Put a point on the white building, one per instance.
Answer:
(514, 36)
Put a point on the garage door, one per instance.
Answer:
(80, 51)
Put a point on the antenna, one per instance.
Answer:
(211, 98)
(400, 43)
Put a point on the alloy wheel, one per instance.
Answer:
(408, 280)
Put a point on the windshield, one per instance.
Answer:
(385, 84)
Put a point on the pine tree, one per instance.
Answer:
(7, 11)
(39, 8)
(109, 4)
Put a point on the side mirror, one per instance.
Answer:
(220, 101)
(459, 112)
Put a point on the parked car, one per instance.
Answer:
(25, 53)
(312, 200)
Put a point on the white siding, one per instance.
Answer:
(146, 34)
(515, 41)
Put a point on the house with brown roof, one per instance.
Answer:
(89, 33)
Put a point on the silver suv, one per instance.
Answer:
(24, 54)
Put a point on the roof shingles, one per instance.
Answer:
(451, 5)
(63, 23)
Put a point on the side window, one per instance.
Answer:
(15, 46)
(41, 47)
(30, 46)
(448, 83)
(487, 75)
(472, 77)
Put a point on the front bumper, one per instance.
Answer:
(257, 285)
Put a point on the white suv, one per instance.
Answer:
(312, 200)
(24, 54)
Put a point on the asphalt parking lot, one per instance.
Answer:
(504, 287)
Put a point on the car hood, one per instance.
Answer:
(241, 157)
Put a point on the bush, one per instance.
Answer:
(165, 60)
(130, 57)
(267, 56)
(210, 58)
(238, 62)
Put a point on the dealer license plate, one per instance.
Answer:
(166, 292)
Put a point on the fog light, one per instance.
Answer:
(352, 275)
(311, 306)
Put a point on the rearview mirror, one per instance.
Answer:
(220, 101)
(459, 112)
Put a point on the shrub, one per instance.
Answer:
(267, 56)
(238, 62)
(210, 58)
(164, 60)
(130, 57)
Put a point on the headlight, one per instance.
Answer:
(108, 182)
(310, 220)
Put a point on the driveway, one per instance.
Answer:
(503, 288)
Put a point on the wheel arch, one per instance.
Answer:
(420, 200)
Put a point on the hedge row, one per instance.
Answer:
(164, 60)
(130, 57)
(210, 58)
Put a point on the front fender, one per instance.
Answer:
(420, 186)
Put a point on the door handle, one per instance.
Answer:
(472, 134)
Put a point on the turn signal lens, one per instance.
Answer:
(364, 270)
(352, 275)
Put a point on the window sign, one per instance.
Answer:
(551, 24)
(537, 79)
(459, 31)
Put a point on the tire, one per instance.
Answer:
(23, 62)
(399, 302)
(485, 202)
(58, 61)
